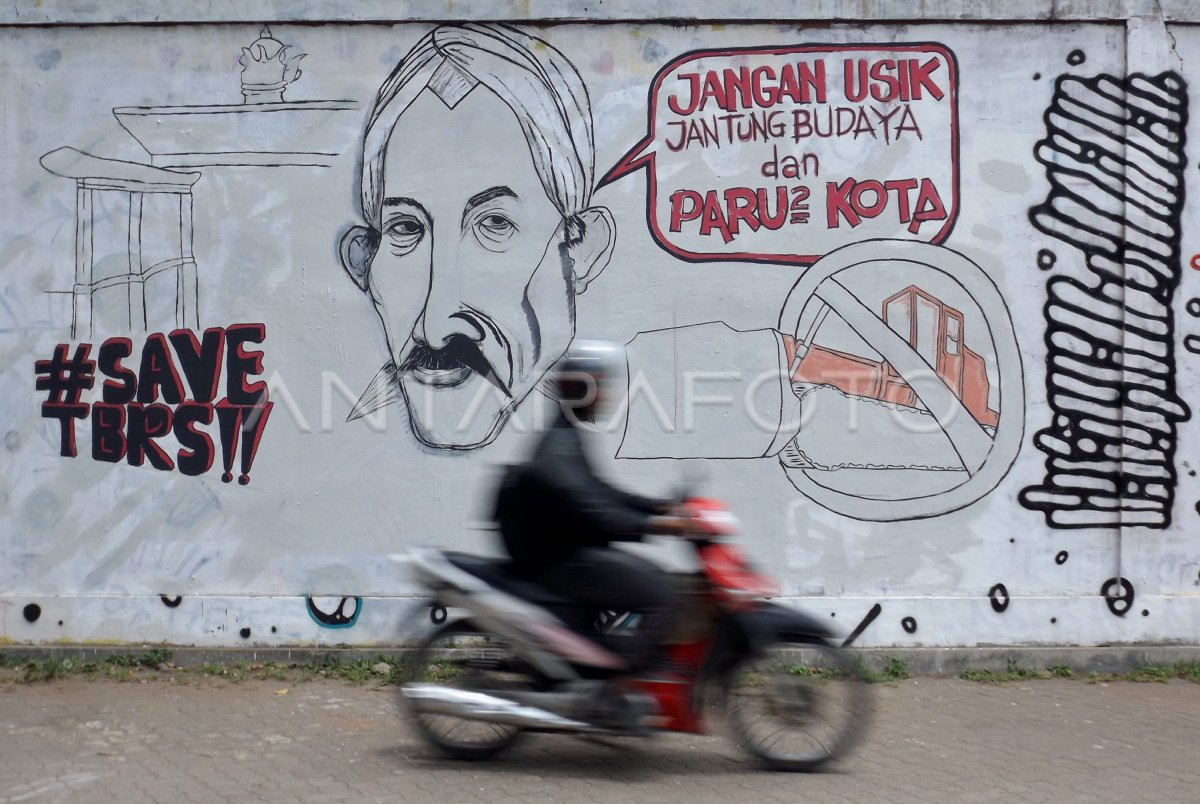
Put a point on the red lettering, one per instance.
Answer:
(869, 210)
(886, 86)
(929, 206)
(693, 84)
(678, 214)
(837, 203)
(919, 76)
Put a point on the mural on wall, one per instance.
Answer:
(865, 381)
(819, 286)
(474, 278)
(879, 411)
(264, 130)
(137, 409)
(784, 154)
(135, 271)
(1114, 157)
(468, 343)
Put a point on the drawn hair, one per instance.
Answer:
(534, 79)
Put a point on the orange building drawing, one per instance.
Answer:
(933, 329)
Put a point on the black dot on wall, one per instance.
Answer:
(245, 632)
(32, 612)
(1145, 612)
(1061, 558)
(833, 614)
(1053, 620)
(1037, 76)
(273, 629)
(1012, 541)
(60, 622)
(909, 625)
(1076, 57)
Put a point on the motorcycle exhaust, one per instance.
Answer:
(432, 699)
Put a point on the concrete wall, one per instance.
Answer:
(914, 294)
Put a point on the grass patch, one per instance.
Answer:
(818, 673)
(896, 669)
(1187, 671)
(1012, 672)
(49, 670)
(1150, 672)
(146, 666)
(151, 658)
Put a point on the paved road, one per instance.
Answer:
(934, 740)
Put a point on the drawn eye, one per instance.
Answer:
(404, 233)
(494, 230)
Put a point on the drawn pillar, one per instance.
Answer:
(187, 295)
(136, 287)
(81, 293)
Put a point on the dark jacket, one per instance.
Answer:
(556, 504)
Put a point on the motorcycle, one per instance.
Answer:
(524, 660)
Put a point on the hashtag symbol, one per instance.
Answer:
(64, 381)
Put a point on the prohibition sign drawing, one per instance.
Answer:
(926, 416)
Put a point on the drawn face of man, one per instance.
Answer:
(472, 278)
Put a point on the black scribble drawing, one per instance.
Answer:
(1114, 156)
(133, 244)
(882, 399)
(477, 227)
(264, 130)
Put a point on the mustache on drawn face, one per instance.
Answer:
(455, 359)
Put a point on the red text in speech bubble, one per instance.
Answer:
(785, 154)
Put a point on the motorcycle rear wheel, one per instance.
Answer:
(462, 656)
(796, 706)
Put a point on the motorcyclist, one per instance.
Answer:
(559, 518)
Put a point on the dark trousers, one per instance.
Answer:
(607, 578)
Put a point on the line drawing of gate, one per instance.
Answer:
(95, 176)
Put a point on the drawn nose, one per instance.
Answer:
(438, 320)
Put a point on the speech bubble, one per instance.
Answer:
(783, 154)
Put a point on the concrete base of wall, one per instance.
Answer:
(918, 661)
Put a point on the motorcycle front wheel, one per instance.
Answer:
(462, 656)
(796, 706)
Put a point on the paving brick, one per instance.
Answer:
(933, 740)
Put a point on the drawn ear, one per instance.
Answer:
(594, 248)
(357, 249)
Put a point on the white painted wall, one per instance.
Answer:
(92, 544)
